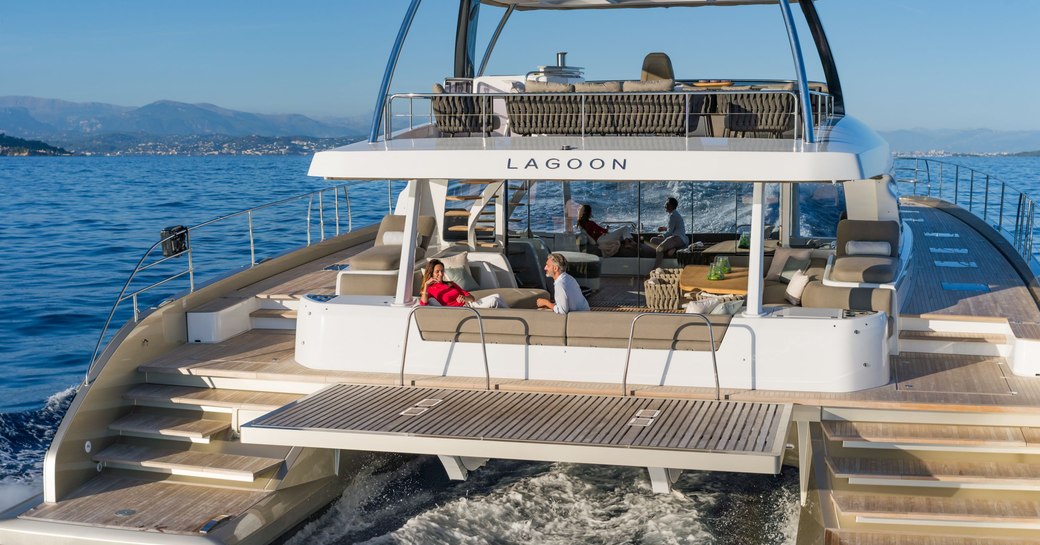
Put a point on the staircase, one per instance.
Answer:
(927, 483)
(481, 210)
(955, 335)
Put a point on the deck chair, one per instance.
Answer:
(656, 66)
(866, 255)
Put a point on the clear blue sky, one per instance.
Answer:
(904, 63)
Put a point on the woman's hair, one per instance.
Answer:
(584, 214)
(428, 271)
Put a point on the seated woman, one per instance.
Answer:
(610, 243)
(440, 292)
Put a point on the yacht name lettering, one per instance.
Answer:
(554, 163)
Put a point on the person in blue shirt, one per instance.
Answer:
(566, 290)
(673, 236)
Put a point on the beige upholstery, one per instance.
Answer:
(656, 65)
(886, 231)
(372, 284)
(598, 87)
(547, 87)
(518, 298)
(663, 332)
(873, 269)
(501, 326)
(774, 292)
(662, 85)
(387, 257)
(868, 299)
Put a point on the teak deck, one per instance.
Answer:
(647, 432)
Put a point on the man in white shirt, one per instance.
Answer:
(672, 237)
(568, 294)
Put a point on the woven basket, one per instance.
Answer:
(661, 295)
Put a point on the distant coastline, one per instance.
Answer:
(18, 147)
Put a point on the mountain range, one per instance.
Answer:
(62, 121)
(962, 141)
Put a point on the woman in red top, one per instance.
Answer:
(608, 242)
(449, 294)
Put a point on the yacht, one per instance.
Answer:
(890, 355)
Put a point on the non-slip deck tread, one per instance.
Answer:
(933, 434)
(217, 464)
(990, 338)
(539, 417)
(932, 470)
(937, 509)
(152, 424)
(842, 537)
(153, 506)
(146, 394)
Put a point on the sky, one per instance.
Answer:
(904, 64)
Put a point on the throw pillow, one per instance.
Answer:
(598, 87)
(780, 257)
(868, 247)
(729, 307)
(456, 261)
(795, 288)
(792, 265)
(462, 277)
(651, 86)
(393, 238)
(703, 306)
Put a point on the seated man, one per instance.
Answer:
(567, 292)
(672, 237)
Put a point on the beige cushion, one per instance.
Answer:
(438, 89)
(547, 87)
(795, 288)
(519, 298)
(780, 257)
(425, 227)
(702, 306)
(462, 277)
(501, 326)
(774, 292)
(816, 295)
(887, 231)
(598, 87)
(663, 332)
(381, 258)
(457, 261)
(652, 86)
(791, 266)
(874, 269)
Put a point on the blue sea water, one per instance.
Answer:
(72, 228)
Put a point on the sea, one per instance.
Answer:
(73, 228)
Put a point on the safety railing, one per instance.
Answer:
(711, 341)
(316, 205)
(480, 325)
(1004, 207)
(744, 112)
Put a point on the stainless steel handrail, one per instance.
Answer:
(1019, 230)
(824, 110)
(483, 345)
(711, 340)
(190, 268)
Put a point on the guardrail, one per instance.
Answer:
(483, 345)
(316, 204)
(1004, 207)
(768, 112)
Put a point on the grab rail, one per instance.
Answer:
(483, 345)
(190, 268)
(986, 197)
(711, 339)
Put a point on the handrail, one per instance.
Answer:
(982, 198)
(711, 340)
(483, 345)
(824, 105)
(190, 267)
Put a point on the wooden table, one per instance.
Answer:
(730, 247)
(695, 277)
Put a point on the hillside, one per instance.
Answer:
(12, 146)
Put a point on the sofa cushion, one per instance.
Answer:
(873, 269)
(662, 332)
(868, 247)
(780, 257)
(501, 326)
(817, 295)
(519, 298)
(866, 230)
(381, 258)
(651, 86)
(461, 276)
(598, 87)
(774, 292)
(547, 87)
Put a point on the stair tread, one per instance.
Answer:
(991, 338)
(457, 213)
(196, 428)
(927, 470)
(937, 508)
(463, 197)
(217, 463)
(464, 228)
(273, 313)
(843, 537)
(475, 182)
(938, 434)
(187, 395)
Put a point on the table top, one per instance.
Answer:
(695, 277)
(730, 247)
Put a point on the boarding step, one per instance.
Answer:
(213, 465)
(142, 424)
(953, 323)
(963, 343)
(270, 318)
(279, 301)
(1013, 439)
(942, 511)
(209, 399)
(913, 471)
(843, 537)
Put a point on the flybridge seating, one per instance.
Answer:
(662, 107)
